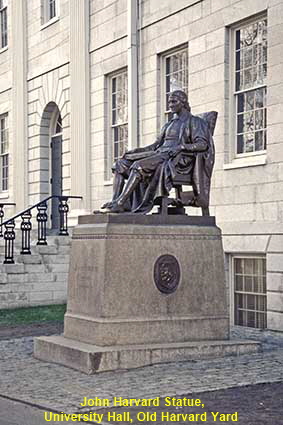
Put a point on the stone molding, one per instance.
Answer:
(148, 236)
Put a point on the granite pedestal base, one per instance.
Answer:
(142, 290)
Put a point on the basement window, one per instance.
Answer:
(249, 275)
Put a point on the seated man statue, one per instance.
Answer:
(149, 170)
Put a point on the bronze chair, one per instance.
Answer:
(199, 180)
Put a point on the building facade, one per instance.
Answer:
(81, 81)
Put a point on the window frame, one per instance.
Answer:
(257, 157)
(232, 258)
(46, 19)
(5, 154)
(163, 98)
(3, 12)
(110, 144)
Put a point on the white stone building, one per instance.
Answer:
(92, 77)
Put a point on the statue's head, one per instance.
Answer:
(181, 95)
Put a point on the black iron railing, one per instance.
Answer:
(2, 214)
(26, 225)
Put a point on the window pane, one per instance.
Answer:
(248, 58)
(240, 101)
(238, 63)
(119, 115)
(250, 292)
(259, 144)
(259, 119)
(3, 27)
(249, 77)
(239, 283)
(239, 265)
(4, 141)
(238, 80)
(253, 102)
(249, 100)
(52, 8)
(251, 72)
(240, 143)
(59, 125)
(240, 123)
(5, 165)
(248, 122)
(176, 73)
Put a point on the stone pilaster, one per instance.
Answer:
(132, 75)
(80, 104)
(19, 102)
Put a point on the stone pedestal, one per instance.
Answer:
(142, 290)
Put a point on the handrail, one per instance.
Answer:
(2, 213)
(26, 225)
(62, 197)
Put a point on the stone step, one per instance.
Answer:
(91, 359)
(28, 259)
(46, 249)
(38, 278)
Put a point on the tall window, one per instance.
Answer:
(3, 24)
(250, 291)
(49, 10)
(4, 142)
(175, 74)
(250, 86)
(119, 114)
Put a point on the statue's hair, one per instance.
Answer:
(181, 95)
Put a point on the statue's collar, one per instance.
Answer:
(184, 116)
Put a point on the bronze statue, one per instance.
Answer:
(144, 174)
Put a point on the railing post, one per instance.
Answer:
(26, 227)
(9, 237)
(41, 218)
(1, 219)
(63, 212)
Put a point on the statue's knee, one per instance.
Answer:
(119, 166)
(137, 169)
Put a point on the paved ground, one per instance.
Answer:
(260, 404)
(229, 385)
(34, 329)
(15, 413)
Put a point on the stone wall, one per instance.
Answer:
(37, 279)
(108, 54)
(47, 45)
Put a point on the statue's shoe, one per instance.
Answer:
(107, 205)
(116, 208)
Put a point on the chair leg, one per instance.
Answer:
(205, 211)
(164, 205)
(178, 190)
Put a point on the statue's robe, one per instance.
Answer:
(158, 167)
